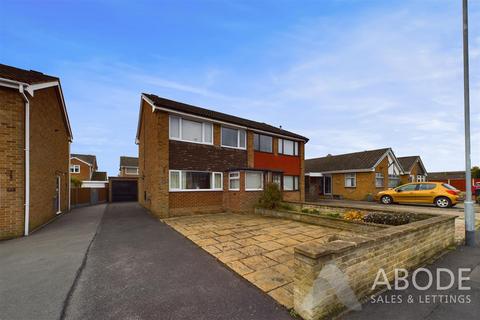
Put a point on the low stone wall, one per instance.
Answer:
(322, 220)
(334, 271)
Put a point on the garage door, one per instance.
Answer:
(124, 190)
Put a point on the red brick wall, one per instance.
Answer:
(49, 156)
(11, 163)
(191, 202)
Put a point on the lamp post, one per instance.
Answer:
(469, 210)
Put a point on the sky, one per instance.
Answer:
(351, 75)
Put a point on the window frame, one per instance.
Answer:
(259, 135)
(238, 138)
(351, 176)
(261, 180)
(296, 183)
(281, 147)
(230, 178)
(75, 166)
(378, 176)
(180, 130)
(132, 174)
(182, 187)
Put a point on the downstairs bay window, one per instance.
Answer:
(253, 181)
(180, 180)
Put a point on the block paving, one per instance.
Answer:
(260, 249)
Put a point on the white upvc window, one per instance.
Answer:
(350, 180)
(253, 181)
(290, 183)
(379, 180)
(75, 168)
(182, 180)
(234, 138)
(288, 147)
(234, 181)
(190, 130)
(131, 170)
(421, 178)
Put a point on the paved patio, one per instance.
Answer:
(260, 249)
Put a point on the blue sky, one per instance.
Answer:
(350, 74)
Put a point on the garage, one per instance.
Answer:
(123, 189)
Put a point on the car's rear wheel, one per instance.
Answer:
(443, 202)
(386, 200)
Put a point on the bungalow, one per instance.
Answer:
(35, 139)
(413, 169)
(128, 167)
(194, 160)
(354, 176)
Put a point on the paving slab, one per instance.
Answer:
(140, 268)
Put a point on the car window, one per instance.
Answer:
(446, 185)
(427, 186)
(408, 187)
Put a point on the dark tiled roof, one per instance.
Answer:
(88, 158)
(128, 161)
(26, 76)
(99, 176)
(408, 162)
(182, 107)
(349, 161)
(446, 175)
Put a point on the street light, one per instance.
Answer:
(469, 211)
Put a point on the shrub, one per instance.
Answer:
(305, 210)
(392, 219)
(333, 214)
(354, 215)
(75, 182)
(478, 199)
(271, 197)
(285, 206)
(314, 211)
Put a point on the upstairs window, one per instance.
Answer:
(262, 143)
(191, 131)
(288, 147)
(131, 170)
(234, 138)
(75, 168)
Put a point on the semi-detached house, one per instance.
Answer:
(195, 160)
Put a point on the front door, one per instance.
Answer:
(327, 185)
(57, 195)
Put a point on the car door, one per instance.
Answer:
(405, 193)
(426, 193)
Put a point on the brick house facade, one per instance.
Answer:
(83, 166)
(128, 167)
(194, 160)
(413, 169)
(35, 139)
(353, 176)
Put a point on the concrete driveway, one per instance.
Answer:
(37, 272)
(139, 268)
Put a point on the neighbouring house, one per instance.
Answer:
(35, 137)
(194, 160)
(83, 166)
(354, 176)
(454, 178)
(413, 169)
(128, 167)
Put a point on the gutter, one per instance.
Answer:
(27, 159)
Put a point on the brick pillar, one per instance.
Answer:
(301, 147)
(250, 150)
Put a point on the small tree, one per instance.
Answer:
(271, 197)
(75, 184)
(476, 172)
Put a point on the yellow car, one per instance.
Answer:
(440, 194)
